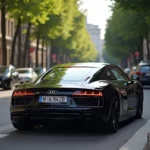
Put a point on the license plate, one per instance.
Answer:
(53, 99)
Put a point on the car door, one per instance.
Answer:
(14, 75)
(34, 75)
(126, 87)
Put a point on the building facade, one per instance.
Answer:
(95, 33)
(10, 30)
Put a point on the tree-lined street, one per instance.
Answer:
(68, 137)
(54, 31)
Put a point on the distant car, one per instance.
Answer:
(27, 75)
(9, 77)
(40, 70)
(80, 91)
(127, 71)
(143, 71)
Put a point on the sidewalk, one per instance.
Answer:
(139, 139)
(147, 146)
(4, 94)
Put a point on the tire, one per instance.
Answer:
(21, 126)
(139, 111)
(113, 123)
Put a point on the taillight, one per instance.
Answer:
(87, 93)
(139, 73)
(23, 93)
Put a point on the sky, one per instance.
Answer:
(98, 11)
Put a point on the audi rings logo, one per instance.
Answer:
(51, 92)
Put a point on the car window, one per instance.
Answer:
(105, 75)
(119, 74)
(144, 68)
(96, 77)
(108, 75)
(65, 74)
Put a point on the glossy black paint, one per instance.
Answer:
(11, 77)
(106, 78)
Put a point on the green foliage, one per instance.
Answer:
(58, 21)
(142, 5)
(34, 11)
(125, 32)
(68, 32)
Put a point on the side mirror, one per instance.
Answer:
(134, 77)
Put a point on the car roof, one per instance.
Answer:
(24, 68)
(144, 63)
(87, 64)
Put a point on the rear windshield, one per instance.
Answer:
(58, 75)
(145, 68)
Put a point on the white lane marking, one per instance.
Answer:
(3, 135)
(5, 128)
(139, 139)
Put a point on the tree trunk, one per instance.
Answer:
(148, 50)
(13, 49)
(46, 53)
(43, 39)
(3, 31)
(52, 52)
(26, 46)
(19, 47)
(37, 49)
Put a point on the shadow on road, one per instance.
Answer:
(78, 129)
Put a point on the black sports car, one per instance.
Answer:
(80, 91)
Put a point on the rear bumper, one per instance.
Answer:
(144, 81)
(41, 116)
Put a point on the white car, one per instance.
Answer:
(27, 75)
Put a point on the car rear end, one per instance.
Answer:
(143, 72)
(40, 106)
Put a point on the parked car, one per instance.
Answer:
(40, 70)
(143, 71)
(27, 75)
(79, 91)
(127, 71)
(9, 77)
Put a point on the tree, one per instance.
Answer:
(142, 5)
(125, 32)
(31, 12)
(67, 34)
(3, 31)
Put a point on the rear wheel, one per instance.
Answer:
(23, 126)
(113, 123)
(139, 110)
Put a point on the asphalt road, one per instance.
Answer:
(65, 137)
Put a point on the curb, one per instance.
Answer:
(139, 139)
